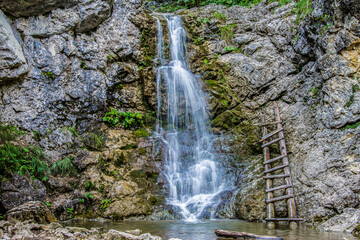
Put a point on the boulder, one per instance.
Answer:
(12, 60)
(34, 211)
(21, 190)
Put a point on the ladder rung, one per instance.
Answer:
(279, 198)
(273, 141)
(270, 123)
(271, 134)
(277, 176)
(275, 159)
(284, 219)
(278, 188)
(276, 168)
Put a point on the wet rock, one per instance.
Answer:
(13, 64)
(21, 189)
(345, 222)
(33, 211)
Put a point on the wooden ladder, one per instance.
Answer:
(284, 165)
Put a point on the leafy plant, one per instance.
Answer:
(94, 141)
(227, 32)
(88, 185)
(219, 16)
(23, 160)
(8, 133)
(105, 204)
(64, 167)
(48, 204)
(49, 75)
(302, 8)
(88, 196)
(70, 211)
(355, 88)
(83, 65)
(129, 120)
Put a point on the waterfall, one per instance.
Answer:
(193, 175)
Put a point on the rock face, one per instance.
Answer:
(21, 189)
(12, 61)
(34, 7)
(33, 211)
(83, 57)
(249, 58)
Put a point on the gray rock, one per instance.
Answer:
(21, 190)
(33, 211)
(34, 7)
(345, 222)
(12, 60)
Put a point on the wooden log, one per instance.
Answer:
(270, 134)
(275, 159)
(291, 201)
(270, 123)
(279, 198)
(278, 188)
(243, 235)
(270, 207)
(272, 142)
(284, 219)
(276, 168)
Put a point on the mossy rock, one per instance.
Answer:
(356, 231)
(138, 173)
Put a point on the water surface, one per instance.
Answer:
(204, 230)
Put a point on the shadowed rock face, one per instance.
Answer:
(22, 8)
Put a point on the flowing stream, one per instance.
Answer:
(193, 174)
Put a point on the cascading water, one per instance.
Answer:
(193, 175)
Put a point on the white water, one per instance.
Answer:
(193, 174)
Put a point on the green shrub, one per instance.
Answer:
(64, 167)
(219, 16)
(128, 120)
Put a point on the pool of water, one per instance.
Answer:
(204, 230)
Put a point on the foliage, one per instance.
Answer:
(302, 9)
(49, 75)
(48, 204)
(70, 211)
(94, 141)
(355, 88)
(227, 32)
(219, 16)
(105, 203)
(72, 130)
(88, 185)
(83, 65)
(172, 6)
(351, 126)
(22, 160)
(141, 132)
(8, 133)
(64, 167)
(88, 196)
(231, 49)
(129, 120)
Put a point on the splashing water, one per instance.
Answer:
(193, 175)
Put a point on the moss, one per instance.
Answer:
(138, 173)
(142, 151)
(351, 126)
(141, 132)
(129, 146)
(120, 160)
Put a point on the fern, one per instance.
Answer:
(64, 167)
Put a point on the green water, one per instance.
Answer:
(205, 230)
